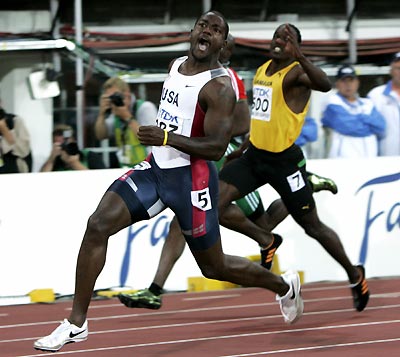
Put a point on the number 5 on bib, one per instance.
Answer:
(201, 199)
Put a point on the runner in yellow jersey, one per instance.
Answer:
(281, 95)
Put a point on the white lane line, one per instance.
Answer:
(211, 297)
(319, 347)
(386, 295)
(213, 338)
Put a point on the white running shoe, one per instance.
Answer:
(65, 333)
(292, 303)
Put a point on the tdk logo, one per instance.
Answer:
(261, 92)
(166, 116)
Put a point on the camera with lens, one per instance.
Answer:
(117, 99)
(71, 148)
(2, 114)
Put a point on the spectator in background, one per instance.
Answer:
(120, 116)
(387, 100)
(15, 150)
(308, 134)
(65, 154)
(353, 125)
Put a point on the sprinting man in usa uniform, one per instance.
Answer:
(194, 126)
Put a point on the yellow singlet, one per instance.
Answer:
(274, 126)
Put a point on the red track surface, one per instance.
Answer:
(236, 322)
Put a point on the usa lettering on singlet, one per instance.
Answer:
(179, 111)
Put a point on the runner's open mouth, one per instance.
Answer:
(203, 44)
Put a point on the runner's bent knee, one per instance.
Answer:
(99, 225)
(211, 272)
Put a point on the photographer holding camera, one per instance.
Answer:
(15, 150)
(65, 154)
(120, 116)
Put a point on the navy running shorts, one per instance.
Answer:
(191, 192)
(284, 171)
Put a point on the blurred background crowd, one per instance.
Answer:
(78, 77)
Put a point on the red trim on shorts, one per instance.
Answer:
(125, 176)
(200, 179)
(200, 175)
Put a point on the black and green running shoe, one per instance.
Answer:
(142, 299)
(319, 183)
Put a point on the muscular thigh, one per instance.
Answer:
(288, 177)
(138, 188)
(240, 173)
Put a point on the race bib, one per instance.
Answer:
(296, 181)
(261, 106)
(169, 122)
(201, 199)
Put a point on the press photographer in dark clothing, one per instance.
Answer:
(15, 151)
(65, 154)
